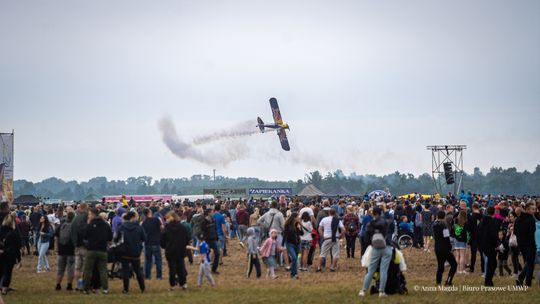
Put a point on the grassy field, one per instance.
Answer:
(233, 287)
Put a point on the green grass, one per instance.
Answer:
(233, 287)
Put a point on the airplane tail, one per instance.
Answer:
(260, 124)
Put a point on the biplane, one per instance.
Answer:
(278, 125)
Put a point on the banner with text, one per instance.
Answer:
(6, 167)
(225, 192)
(270, 191)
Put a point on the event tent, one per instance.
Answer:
(26, 200)
(310, 190)
(378, 193)
(338, 191)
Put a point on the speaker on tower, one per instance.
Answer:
(448, 173)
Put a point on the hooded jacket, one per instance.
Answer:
(117, 220)
(488, 232)
(251, 241)
(524, 228)
(98, 233)
(174, 240)
(266, 248)
(134, 236)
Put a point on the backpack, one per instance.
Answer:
(351, 227)
(65, 234)
(418, 219)
(378, 241)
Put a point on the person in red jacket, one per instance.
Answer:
(242, 218)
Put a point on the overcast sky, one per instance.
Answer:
(364, 85)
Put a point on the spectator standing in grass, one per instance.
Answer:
(45, 233)
(305, 239)
(379, 235)
(134, 237)
(78, 231)
(10, 251)
(253, 253)
(66, 253)
(524, 229)
(352, 227)
(291, 241)
(152, 249)
(98, 235)
(174, 240)
(443, 249)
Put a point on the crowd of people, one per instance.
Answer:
(99, 241)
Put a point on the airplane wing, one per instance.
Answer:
(283, 139)
(275, 111)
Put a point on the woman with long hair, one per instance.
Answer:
(514, 249)
(462, 237)
(291, 240)
(174, 239)
(10, 251)
(253, 223)
(305, 240)
(45, 233)
(352, 226)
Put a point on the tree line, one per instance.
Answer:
(496, 181)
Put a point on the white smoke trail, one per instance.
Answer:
(245, 128)
(226, 154)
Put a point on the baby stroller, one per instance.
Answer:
(116, 268)
(395, 283)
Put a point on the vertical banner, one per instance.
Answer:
(6, 167)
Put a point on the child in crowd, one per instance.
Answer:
(502, 254)
(253, 253)
(204, 267)
(269, 250)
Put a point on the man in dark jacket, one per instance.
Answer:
(211, 237)
(524, 229)
(152, 227)
(488, 234)
(98, 235)
(174, 240)
(443, 249)
(78, 231)
(34, 217)
(134, 236)
(473, 221)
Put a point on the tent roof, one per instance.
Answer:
(310, 190)
(338, 191)
(91, 198)
(26, 199)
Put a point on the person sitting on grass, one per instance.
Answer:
(204, 267)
